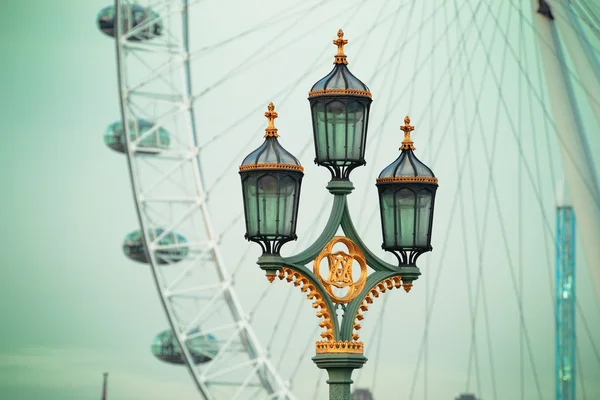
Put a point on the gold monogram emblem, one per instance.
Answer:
(340, 275)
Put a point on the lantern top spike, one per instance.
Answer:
(271, 131)
(407, 128)
(340, 42)
(340, 81)
(270, 155)
(407, 167)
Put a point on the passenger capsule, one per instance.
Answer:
(114, 137)
(203, 348)
(132, 16)
(133, 247)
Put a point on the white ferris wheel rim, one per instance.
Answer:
(260, 365)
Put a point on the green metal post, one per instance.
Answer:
(339, 368)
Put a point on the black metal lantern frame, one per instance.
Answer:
(407, 190)
(340, 106)
(271, 199)
(407, 253)
(271, 180)
(340, 152)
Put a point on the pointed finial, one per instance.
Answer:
(407, 129)
(340, 58)
(271, 131)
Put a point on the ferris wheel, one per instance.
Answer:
(183, 147)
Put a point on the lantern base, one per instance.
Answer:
(270, 263)
(340, 186)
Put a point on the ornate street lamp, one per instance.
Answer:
(271, 180)
(339, 105)
(406, 197)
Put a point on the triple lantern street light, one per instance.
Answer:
(271, 181)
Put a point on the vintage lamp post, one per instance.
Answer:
(271, 179)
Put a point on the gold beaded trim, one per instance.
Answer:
(425, 179)
(251, 167)
(324, 92)
(339, 347)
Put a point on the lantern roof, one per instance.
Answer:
(271, 155)
(407, 167)
(340, 81)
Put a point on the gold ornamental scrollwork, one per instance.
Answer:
(340, 274)
(313, 294)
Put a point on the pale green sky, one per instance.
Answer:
(73, 306)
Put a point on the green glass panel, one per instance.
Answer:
(287, 189)
(339, 130)
(423, 218)
(355, 130)
(321, 131)
(387, 210)
(405, 215)
(251, 205)
(398, 218)
(269, 202)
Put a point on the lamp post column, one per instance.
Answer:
(339, 367)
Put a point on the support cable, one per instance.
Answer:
(254, 58)
(395, 71)
(473, 359)
(318, 384)
(452, 208)
(499, 212)
(490, 159)
(520, 215)
(580, 370)
(273, 19)
(588, 331)
(378, 346)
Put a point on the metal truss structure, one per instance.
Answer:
(196, 292)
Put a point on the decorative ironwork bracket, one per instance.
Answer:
(339, 337)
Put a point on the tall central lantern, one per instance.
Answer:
(339, 106)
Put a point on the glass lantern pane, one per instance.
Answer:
(398, 212)
(287, 189)
(339, 130)
(423, 218)
(405, 217)
(320, 131)
(355, 130)
(335, 122)
(268, 204)
(387, 217)
(250, 204)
